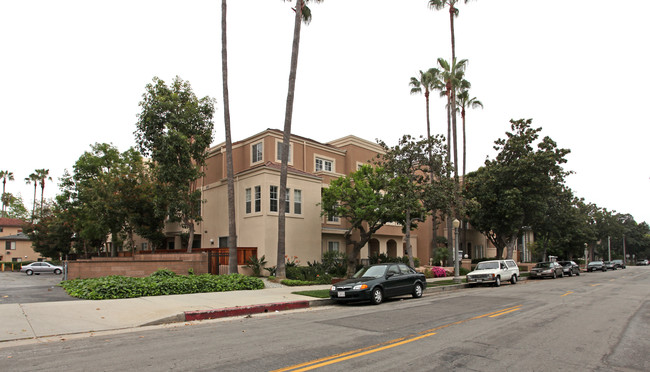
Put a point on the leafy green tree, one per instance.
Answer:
(514, 189)
(14, 207)
(51, 235)
(6, 176)
(416, 179)
(232, 226)
(174, 128)
(303, 14)
(361, 199)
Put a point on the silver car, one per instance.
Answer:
(40, 268)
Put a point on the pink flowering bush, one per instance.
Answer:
(438, 272)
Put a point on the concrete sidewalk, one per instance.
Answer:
(42, 319)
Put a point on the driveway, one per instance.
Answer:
(19, 288)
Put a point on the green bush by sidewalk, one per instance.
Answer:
(161, 283)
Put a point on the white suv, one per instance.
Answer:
(495, 272)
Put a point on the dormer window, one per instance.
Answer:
(257, 154)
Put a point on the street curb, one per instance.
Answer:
(244, 310)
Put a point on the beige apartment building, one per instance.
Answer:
(312, 165)
(15, 246)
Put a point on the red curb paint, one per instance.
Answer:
(244, 310)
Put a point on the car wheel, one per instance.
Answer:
(497, 281)
(604, 269)
(29, 272)
(570, 273)
(377, 296)
(562, 274)
(554, 275)
(57, 272)
(513, 279)
(417, 290)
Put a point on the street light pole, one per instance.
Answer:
(456, 224)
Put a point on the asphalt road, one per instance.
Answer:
(16, 287)
(594, 322)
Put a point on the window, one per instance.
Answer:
(333, 246)
(323, 165)
(248, 200)
(297, 201)
(273, 196)
(10, 245)
(258, 198)
(257, 149)
(278, 151)
(145, 246)
(223, 242)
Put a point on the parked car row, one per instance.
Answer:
(375, 283)
(642, 262)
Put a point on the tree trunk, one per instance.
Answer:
(232, 227)
(34, 205)
(511, 246)
(190, 238)
(281, 271)
(409, 249)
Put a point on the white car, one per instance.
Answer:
(41, 268)
(494, 272)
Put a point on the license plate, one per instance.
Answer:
(341, 294)
(479, 280)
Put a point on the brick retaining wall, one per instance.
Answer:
(138, 265)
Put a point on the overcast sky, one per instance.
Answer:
(73, 73)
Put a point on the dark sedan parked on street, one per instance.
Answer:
(570, 268)
(376, 282)
(596, 265)
(546, 270)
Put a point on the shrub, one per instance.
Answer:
(256, 264)
(438, 272)
(163, 273)
(160, 284)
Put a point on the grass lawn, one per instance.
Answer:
(318, 293)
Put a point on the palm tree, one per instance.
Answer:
(303, 14)
(5, 175)
(427, 82)
(43, 175)
(453, 12)
(451, 76)
(29, 179)
(232, 227)
(464, 102)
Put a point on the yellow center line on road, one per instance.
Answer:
(322, 362)
(505, 312)
(594, 285)
(568, 293)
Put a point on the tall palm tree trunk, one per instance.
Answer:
(232, 227)
(280, 271)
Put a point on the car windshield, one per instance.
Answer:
(595, 263)
(487, 265)
(371, 271)
(543, 265)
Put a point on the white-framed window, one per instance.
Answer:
(297, 201)
(258, 198)
(333, 246)
(278, 151)
(257, 152)
(322, 164)
(10, 246)
(332, 219)
(273, 198)
(144, 246)
(249, 200)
